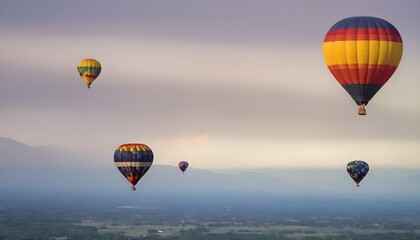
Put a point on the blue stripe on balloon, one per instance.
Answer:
(362, 22)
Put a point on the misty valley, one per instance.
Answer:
(102, 217)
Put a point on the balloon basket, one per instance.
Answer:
(362, 110)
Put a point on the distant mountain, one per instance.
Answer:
(160, 178)
(14, 153)
(386, 181)
(45, 167)
(25, 168)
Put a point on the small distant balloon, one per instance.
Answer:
(357, 170)
(133, 160)
(89, 70)
(183, 165)
(362, 53)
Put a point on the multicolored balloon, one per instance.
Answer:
(183, 165)
(89, 70)
(362, 53)
(133, 160)
(357, 170)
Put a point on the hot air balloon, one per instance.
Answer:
(357, 170)
(362, 53)
(183, 165)
(89, 70)
(133, 160)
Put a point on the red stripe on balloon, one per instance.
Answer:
(362, 73)
(354, 34)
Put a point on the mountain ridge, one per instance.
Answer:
(47, 170)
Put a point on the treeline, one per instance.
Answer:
(199, 233)
(202, 233)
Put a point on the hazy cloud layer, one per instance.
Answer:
(206, 81)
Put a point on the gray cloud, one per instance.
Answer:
(237, 20)
(171, 69)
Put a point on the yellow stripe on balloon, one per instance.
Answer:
(363, 52)
(89, 63)
(133, 148)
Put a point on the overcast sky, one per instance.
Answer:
(221, 84)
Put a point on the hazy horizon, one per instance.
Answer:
(49, 174)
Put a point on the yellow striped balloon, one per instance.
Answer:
(89, 70)
(362, 53)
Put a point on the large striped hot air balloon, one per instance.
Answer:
(362, 53)
(133, 160)
(89, 70)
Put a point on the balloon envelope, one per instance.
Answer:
(89, 70)
(357, 170)
(183, 165)
(362, 53)
(133, 160)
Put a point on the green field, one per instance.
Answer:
(292, 232)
